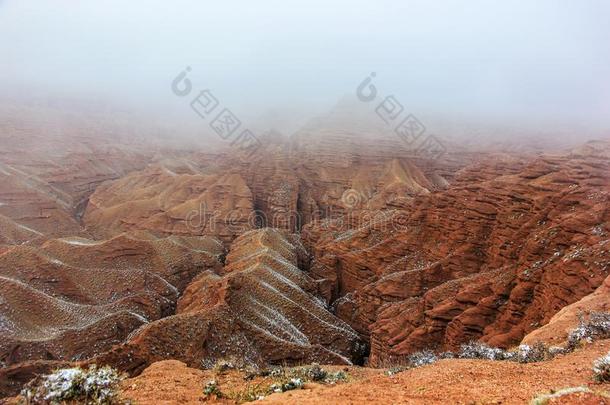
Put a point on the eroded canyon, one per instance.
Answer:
(328, 246)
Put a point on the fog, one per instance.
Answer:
(545, 62)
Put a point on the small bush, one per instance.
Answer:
(413, 360)
(596, 327)
(545, 398)
(284, 379)
(557, 350)
(223, 365)
(479, 350)
(212, 389)
(277, 372)
(306, 373)
(533, 354)
(339, 376)
(395, 370)
(249, 394)
(316, 373)
(288, 385)
(447, 355)
(422, 358)
(601, 369)
(96, 385)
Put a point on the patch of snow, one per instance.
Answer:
(343, 328)
(283, 278)
(6, 325)
(140, 317)
(60, 382)
(79, 242)
(69, 384)
(277, 319)
(601, 369)
(168, 284)
(167, 171)
(30, 229)
(342, 357)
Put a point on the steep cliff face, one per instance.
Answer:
(273, 301)
(493, 257)
(563, 322)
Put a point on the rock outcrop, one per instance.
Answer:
(556, 331)
(495, 256)
(318, 174)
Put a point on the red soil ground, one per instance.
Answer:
(445, 382)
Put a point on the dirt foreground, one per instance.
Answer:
(445, 382)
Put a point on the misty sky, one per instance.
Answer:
(527, 59)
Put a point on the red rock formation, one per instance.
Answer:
(12, 233)
(563, 322)
(407, 252)
(163, 202)
(496, 255)
(262, 310)
(51, 161)
(74, 298)
(30, 207)
(318, 174)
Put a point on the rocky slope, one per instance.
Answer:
(74, 298)
(568, 318)
(467, 381)
(51, 161)
(317, 174)
(509, 244)
(164, 202)
(261, 309)
(567, 379)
